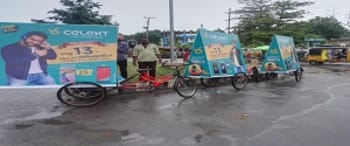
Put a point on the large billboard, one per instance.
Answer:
(48, 55)
(215, 54)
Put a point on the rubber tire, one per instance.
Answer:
(180, 80)
(268, 76)
(298, 74)
(313, 62)
(209, 82)
(96, 99)
(256, 75)
(236, 77)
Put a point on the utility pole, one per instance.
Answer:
(172, 36)
(147, 25)
(348, 22)
(229, 20)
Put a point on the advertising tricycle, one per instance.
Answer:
(281, 58)
(215, 55)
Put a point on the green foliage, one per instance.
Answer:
(259, 20)
(160, 71)
(255, 19)
(328, 27)
(219, 30)
(154, 36)
(80, 12)
(288, 11)
(298, 30)
(187, 46)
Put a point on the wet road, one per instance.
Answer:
(281, 112)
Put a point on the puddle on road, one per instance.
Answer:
(38, 116)
(55, 122)
(23, 126)
(132, 137)
(55, 111)
(101, 135)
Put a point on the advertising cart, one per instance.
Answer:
(215, 55)
(281, 58)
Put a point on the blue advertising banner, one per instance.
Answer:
(48, 55)
(215, 54)
(281, 56)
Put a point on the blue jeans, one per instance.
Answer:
(32, 79)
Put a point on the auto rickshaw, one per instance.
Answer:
(320, 55)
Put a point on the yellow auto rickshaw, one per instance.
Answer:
(320, 55)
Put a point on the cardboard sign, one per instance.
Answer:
(215, 54)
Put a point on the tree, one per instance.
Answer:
(288, 11)
(219, 30)
(328, 27)
(255, 22)
(154, 36)
(259, 20)
(299, 31)
(80, 12)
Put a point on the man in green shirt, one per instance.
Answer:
(146, 54)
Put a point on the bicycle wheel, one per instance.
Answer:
(298, 74)
(256, 75)
(185, 87)
(268, 76)
(81, 94)
(239, 81)
(209, 82)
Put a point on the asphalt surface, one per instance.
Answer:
(281, 112)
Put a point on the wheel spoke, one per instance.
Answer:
(81, 94)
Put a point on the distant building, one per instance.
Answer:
(341, 42)
(185, 38)
(181, 37)
(313, 42)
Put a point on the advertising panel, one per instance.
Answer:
(46, 55)
(215, 54)
(281, 56)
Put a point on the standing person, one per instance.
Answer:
(26, 60)
(146, 54)
(186, 55)
(344, 53)
(122, 59)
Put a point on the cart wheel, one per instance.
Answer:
(274, 75)
(298, 74)
(312, 62)
(185, 87)
(239, 81)
(256, 75)
(209, 82)
(267, 76)
(81, 94)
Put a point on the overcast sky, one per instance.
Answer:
(189, 14)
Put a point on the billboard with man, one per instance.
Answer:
(47, 55)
